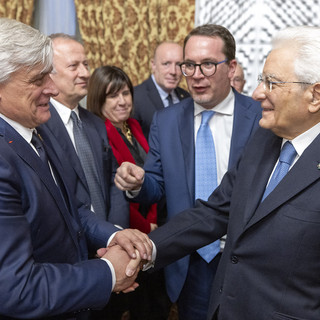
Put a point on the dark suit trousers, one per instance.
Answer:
(193, 302)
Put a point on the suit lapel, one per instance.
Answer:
(243, 125)
(29, 156)
(304, 172)
(186, 133)
(257, 178)
(56, 126)
(154, 94)
(180, 94)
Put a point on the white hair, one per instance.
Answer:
(22, 46)
(305, 43)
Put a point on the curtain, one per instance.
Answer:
(125, 32)
(53, 16)
(20, 10)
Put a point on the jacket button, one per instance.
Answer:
(234, 259)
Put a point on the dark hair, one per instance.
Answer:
(104, 77)
(214, 30)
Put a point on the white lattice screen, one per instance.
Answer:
(253, 23)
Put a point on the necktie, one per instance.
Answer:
(287, 155)
(206, 174)
(87, 161)
(37, 143)
(169, 97)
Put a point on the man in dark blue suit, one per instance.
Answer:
(170, 168)
(45, 232)
(152, 94)
(268, 204)
(71, 75)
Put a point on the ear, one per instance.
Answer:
(314, 106)
(232, 68)
(153, 65)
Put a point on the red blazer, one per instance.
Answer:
(122, 153)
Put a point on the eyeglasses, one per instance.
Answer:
(207, 68)
(268, 83)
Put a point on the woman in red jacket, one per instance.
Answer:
(110, 97)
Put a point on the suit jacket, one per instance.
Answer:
(55, 134)
(147, 101)
(44, 236)
(270, 265)
(170, 168)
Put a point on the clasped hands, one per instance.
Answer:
(128, 251)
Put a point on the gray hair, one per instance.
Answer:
(305, 44)
(22, 46)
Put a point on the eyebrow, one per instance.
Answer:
(271, 77)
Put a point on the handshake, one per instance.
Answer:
(128, 251)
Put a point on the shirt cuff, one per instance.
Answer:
(113, 274)
(151, 263)
(132, 193)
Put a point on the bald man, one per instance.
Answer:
(161, 89)
(238, 81)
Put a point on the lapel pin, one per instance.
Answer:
(40, 137)
(318, 166)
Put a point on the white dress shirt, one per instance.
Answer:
(221, 125)
(163, 94)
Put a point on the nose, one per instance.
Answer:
(121, 100)
(197, 73)
(83, 71)
(259, 93)
(50, 88)
(173, 68)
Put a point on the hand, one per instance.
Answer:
(132, 239)
(120, 260)
(153, 226)
(129, 177)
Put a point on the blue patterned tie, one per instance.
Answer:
(206, 175)
(87, 161)
(287, 155)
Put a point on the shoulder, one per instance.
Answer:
(88, 116)
(93, 121)
(144, 85)
(185, 105)
(182, 94)
(247, 102)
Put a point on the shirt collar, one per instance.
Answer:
(225, 107)
(302, 141)
(163, 94)
(63, 111)
(26, 133)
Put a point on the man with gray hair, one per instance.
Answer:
(268, 204)
(78, 135)
(45, 233)
(238, 80)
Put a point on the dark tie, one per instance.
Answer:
(87, 161)
(287, 155)
(37, 143)
(206, 174)
(169, 97)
